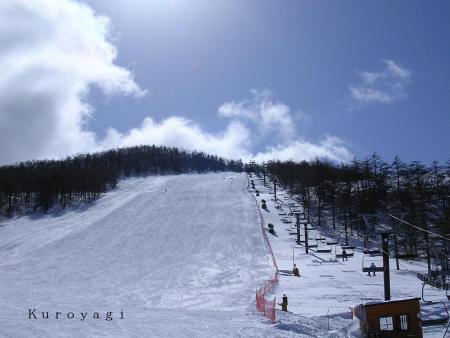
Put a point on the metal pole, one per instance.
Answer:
(307, 203)
(346, 228)
(306, 237)
(293, 261)
(275, 189)
(387, 280)
(298, 228)
(396, 252)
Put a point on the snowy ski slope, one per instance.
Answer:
(320, 300)
(180, 255)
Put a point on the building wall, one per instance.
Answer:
(394, 309)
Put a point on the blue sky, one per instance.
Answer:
(351, 77)
(194, 55)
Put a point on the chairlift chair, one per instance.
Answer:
(312, 244)
(435, 321)
(372, 252)
(406, 256)
(348, 246)
(324, 249)
(367, 262)
(340, 255)
(319, 237)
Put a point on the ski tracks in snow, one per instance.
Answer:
(181, 255)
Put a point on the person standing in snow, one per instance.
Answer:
(372, 267)
(344, 255)
(284, 303)
(295, 271)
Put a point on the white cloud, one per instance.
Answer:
(235, 142)
(183, 133)
(275, 122)
(398, 71)
(385, 86)
(54, 52)
(269, 116)
(331, 147)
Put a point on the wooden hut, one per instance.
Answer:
(394, 318)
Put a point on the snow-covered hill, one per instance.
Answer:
(320, 300)
(180, 255)
(177, 256)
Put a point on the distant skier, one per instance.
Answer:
(372, 268)
(344, 255)
(295, 271)
(264, 206)
(284, 304)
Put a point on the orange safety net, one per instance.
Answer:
(263, 305)
(267, 307)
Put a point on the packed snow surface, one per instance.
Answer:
(181, 256)
(320, 300)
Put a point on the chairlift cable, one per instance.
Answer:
(419, 228)
(400, 263)
(435, 249)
